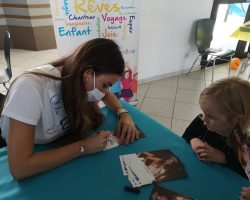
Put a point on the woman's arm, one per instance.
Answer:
(126, 131)
(112, 102)
(24, 162)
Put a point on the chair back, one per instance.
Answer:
(204, 33)
(6, 46)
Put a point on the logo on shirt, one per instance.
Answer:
(56, 102)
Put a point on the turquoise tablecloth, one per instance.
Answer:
(100, 176)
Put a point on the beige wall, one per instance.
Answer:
(29, 23)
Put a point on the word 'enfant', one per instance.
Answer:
(73, 31)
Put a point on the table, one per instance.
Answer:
(100, 176)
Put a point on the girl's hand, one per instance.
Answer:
(195, 144)
(245, 193)
(209, 154)
(96, 142)
(126, 131)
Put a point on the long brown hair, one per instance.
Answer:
(101, 55)
(104, 57)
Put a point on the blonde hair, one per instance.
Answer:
(232, 96)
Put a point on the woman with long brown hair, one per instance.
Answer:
(59, 99)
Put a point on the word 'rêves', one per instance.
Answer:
(92, 7)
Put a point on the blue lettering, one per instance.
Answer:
(73, 31)
(66, 7)
(65, 124)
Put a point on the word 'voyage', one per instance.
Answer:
(113, 19)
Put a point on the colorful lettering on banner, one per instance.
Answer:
(112, 20)
(66, 7)
(82, 23)
(73, 31)
(131, 18)
(84, 17)
(98, 27)
(92, 7)
(76, 21)
(124, 32)
(114, 27)
(56, 8)
(109, 34)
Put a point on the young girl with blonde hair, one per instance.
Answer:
(224, 104)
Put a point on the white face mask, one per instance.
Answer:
(95, 94)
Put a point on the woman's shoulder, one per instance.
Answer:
(45, 69)
(30, 78)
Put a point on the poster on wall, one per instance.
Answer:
(77, 21)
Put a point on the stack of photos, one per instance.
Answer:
(153, 166)
(240, 144)
(161, 193)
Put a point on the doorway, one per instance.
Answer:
(228, 16)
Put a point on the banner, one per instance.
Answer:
(77, 21)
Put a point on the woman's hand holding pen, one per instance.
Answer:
(209, 154)
(96, 142)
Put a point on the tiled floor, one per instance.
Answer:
(172, 101)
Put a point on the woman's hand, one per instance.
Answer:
(126, 131)
(96, 142)
(245, 193)
(209, 154)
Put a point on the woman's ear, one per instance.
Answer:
(89, 71)
(241, 118)
(88, 74)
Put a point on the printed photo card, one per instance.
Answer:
(161, 193)
(152, 166)
(113, 141)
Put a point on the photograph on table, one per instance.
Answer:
(163, 164)
(161, 193)
(152, 166)
(112, 140)
(240, 144)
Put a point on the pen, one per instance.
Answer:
(131, 189)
